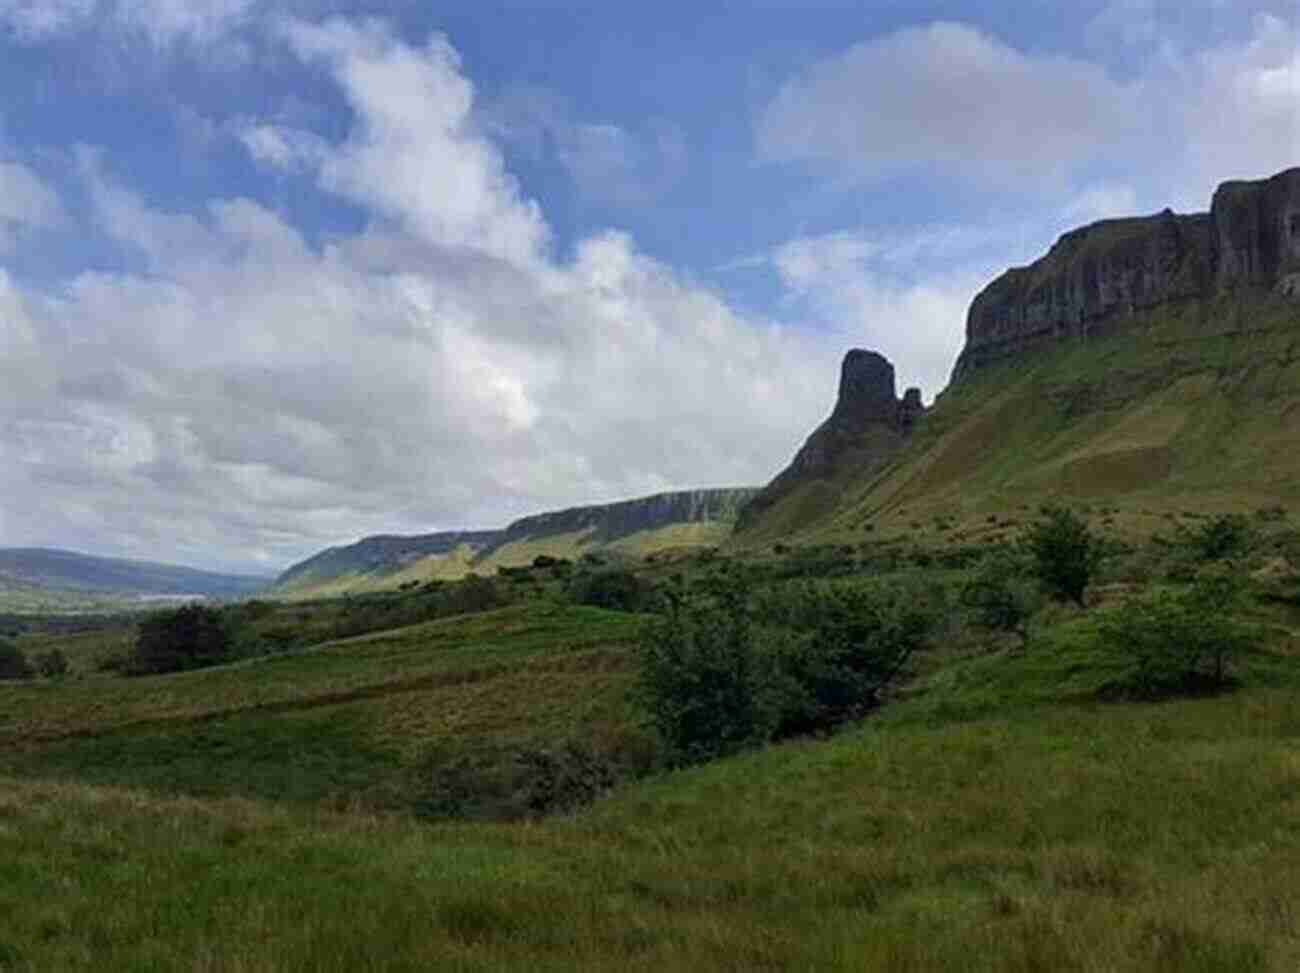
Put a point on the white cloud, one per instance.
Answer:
(251, 397)
(33, 19)
(903, 295)
(414, 153)
(946, 95)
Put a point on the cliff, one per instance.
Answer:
(380, 560)
(868, 425)
(1096, 278)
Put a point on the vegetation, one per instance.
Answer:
(1177, 642)
(189, 637)
(879, 807)
(1064, 552)
(13, 664)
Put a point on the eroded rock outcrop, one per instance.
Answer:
(1095, 278)
(868, 425)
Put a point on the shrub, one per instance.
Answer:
(13, 664)
(615, 589)
(1176, 642)
(52, 664)
(1065, 554)
(703, 677)
(189, 637)
(844, 645)
(560, 780)
(1223, 537)
(1001, 595)
(720, 672)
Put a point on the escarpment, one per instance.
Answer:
(1095, 278)
(868, 425)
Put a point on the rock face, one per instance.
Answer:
(1096, 277)
(868, 425)
(614, 520)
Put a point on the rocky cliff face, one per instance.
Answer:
(614, 520)
(868, 425)
(1096, 277)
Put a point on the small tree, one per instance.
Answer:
(1177, 642)
(1065, 554)
(52, 664)
(13, 664)
(190, 637)
(1001, 596)
(1223, 537)
(702, 677)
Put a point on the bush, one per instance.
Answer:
(1225, 536)
(1001, 595)
(614, 589)
(189, 637)
(721, 672)
(52, 664)
(703, 677)
(1176, 642)
(1065, 554)
(13, 664)
(844, 645)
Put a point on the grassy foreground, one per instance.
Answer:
(1076, 837)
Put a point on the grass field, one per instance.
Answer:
(1043, 834)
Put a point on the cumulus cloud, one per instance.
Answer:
(902, 294)
(946, 95)
(950, 100)
(249, 396)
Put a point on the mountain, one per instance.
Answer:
(687, 518)
(1150, 365)
(38, 572)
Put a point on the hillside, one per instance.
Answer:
(41, 576)
(1149, 365)
(629, 528)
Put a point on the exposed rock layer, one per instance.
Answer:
(1096, 277)
(869, 421)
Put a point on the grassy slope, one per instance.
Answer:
(1194, 407)
(357, 717)
(994, 821)
(571, 545)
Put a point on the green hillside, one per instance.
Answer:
(628, 530)
(1193, 407)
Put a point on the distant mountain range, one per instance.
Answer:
(31, 571)
(629, 528)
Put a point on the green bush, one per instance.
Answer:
(1226, 536)
(1065, 554)
(13, 664)
(615, 589)
(189, 637)
(704, 677)
(1179, 642)
(722, 671)
(1001, 595)
(52, 664)
(843, 645)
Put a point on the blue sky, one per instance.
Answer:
(273, 276)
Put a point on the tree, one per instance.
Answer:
(189, 637)
(1065, 554)
(13, 664)
(702, 677)
(52, 664)
(1001, 596)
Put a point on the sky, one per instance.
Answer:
(275, 276)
